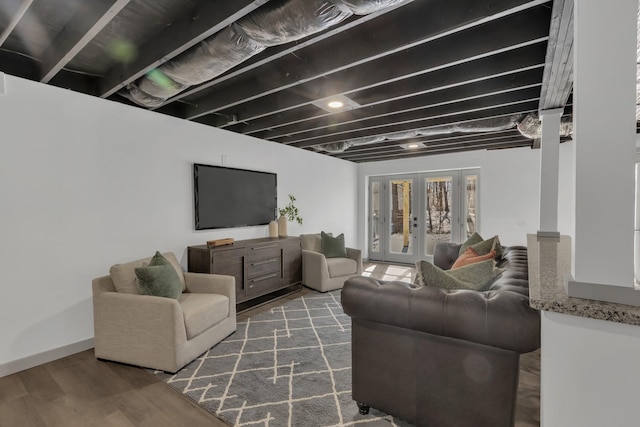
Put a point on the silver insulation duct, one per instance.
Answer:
(484, 125)
(275, 23)
(531, 126)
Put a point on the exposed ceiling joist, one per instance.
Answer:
(522, 107)
(443, 150)
(455, 76)
(369, 48)
(82, 28)
(206, 19)
(393, 147)
(421, 117)
(16, 10)
(507, 64)
(277, 52)
(421, 104)
(557, 81)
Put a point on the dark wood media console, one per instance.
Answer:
(260, 266)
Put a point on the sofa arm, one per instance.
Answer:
(136, 322)
(356, 255)
(314, 269)
(501, 319)
(205, 283)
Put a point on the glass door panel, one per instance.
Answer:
(375, 218)
(439, 199)
(471, 204)
(400, 237)
(409, 214)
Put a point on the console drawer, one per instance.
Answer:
(263, 267)
(261, 252)
(263, 284)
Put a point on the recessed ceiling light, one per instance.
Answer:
(413, 145)
(336, 104)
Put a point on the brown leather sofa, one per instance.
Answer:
(442, 358)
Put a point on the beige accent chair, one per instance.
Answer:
(326, 274)
(157, 332)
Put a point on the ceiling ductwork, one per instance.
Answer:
(529, 126)
(485, 125)
(277, 22)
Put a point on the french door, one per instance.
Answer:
(408, 214)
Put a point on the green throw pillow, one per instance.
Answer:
(481, 246)
(159, 278)
(333, 247)
(485, 247)
(473, 276)
(475, 238)
(478, 273)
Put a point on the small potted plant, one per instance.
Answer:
(288, 213)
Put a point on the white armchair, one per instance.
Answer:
(158, 332)
(326, 274)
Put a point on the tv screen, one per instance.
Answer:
(228, 197)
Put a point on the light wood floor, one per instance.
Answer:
(81, 391)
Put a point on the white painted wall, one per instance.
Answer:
(509, 187)
(604, 108)
(85, 183)
(566, 189)
(590, 375)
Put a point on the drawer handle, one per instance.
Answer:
(256, 248)
(253, 264)
(259, 279)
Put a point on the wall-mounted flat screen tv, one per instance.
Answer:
(227, 197)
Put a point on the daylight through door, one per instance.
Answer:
(409, 214)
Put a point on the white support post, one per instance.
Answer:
(2, 84)
(604, 132)
(549, 172)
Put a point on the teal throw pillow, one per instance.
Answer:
(333, 247)
(475, 238)
(475, 276)
(159, 278)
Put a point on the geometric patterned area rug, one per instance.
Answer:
(288, 366)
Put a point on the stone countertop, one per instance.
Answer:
(549, 263)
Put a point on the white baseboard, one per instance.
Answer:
(44, 357)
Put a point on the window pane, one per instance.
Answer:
(438, 215)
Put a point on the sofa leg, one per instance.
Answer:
(364, 408)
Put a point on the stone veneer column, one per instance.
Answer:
(604, 132)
